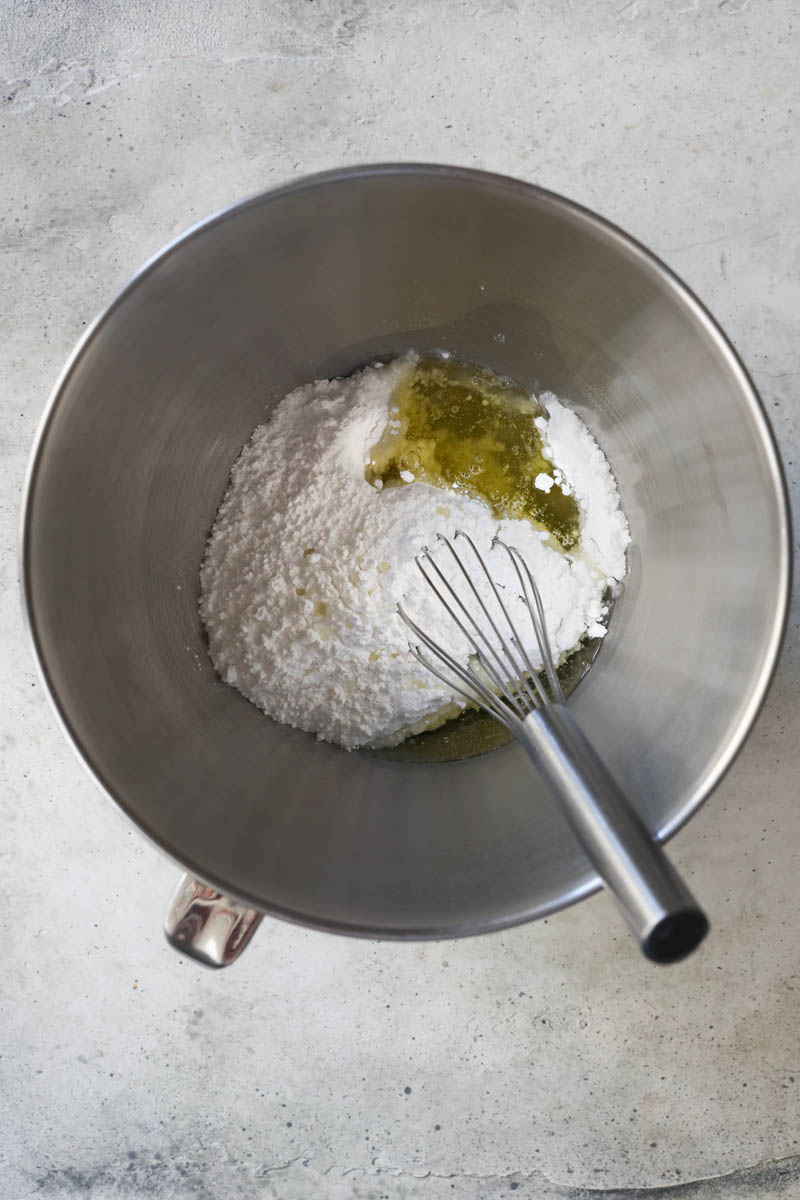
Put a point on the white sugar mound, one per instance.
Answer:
(306, 565)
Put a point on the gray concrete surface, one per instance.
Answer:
(548, 1062)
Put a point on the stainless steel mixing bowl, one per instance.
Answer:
(311, 280)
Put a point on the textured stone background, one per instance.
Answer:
(548, 1062)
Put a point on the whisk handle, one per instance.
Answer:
(659, 908)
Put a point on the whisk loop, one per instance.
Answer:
(499, 674)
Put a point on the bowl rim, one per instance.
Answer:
(624, 242)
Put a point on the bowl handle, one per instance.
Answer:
(209, 927)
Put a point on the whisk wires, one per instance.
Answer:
(499, 675)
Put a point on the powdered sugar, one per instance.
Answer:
(307, 563)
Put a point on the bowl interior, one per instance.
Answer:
(314, 280)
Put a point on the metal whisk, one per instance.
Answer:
(501, 678)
